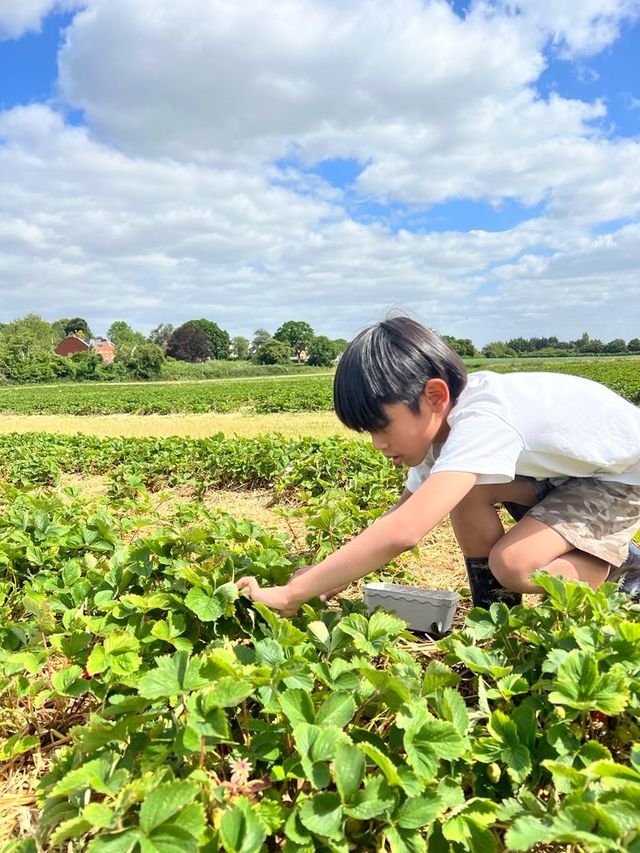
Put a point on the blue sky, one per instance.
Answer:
(453, 216)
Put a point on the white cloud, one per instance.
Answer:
(18, 17)
(581, 28)
(434, 107)
(168, 204)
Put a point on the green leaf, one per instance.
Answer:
(206, 607)
(418, 811)
(297, 706)
(438, 675)
(69, 682)
(427, 739)
(527, 832)
(479, 661)
(389, 770)
(241, 830)
(97, 774)
(16, 745)
(579, 685)
(372, 801)
(163, 802)
(169, 839)
(172, 676)
(404, 841)
(451, 706)
(322, 815)
(119, 842)
(120, 649)
(98, 815)
(349, 767)
(228, 692)
(337, 710)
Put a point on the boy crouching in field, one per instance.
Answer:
(562, 453)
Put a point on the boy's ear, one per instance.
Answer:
(436, 393)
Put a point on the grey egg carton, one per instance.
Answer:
(423, 609)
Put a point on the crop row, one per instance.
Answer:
(178, 717)
(307, 393)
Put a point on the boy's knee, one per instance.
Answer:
(507, 566)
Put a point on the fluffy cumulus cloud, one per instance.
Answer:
(18, 17)
(577, 28)
(188, 190)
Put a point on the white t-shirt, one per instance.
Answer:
(537, 425)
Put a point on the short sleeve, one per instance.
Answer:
(481, 442)
(417, 476)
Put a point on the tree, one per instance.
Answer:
(161, 334)
(297, 334)
(78, 326)
(634, 345)
(27, 337)
(146, 361)
(322, 352)
(596, 346)
(58, 328)
(188, 343)
(125, 340)
(260, 337)
(87, 365)
(273, 352)
(340, 345)
(240, 347)
(498, 349)
(463, 346)
(617, 345)
(217, 338)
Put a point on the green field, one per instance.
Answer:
(148, 709)
(263, 395)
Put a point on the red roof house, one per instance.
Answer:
(73, 344)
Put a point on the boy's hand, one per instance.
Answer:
(276, 597)
(326, 596)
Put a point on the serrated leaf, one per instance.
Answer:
(322, 815)
(172, 676)
(418, 811)
(163, 802)
(297, 706)
(241, 830)
(337, 710)
(349, 767)
(118, 842)
(207, 608)
(451, 707)
(481, 662)
(69, 682)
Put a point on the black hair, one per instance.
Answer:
(390, 362)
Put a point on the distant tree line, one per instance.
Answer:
(27, 348)
(543, 347)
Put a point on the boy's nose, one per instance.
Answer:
(378, 441)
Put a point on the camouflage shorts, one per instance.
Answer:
(596, 516)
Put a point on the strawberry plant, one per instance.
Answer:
(180, 717)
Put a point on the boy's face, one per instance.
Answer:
(408, 435)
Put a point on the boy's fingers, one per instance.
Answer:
(248, 585)
(326, 596)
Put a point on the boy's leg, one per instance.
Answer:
(531, 545)
(475, 519)
(477, 527)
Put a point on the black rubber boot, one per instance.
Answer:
(485, 588)
(628, 574)
(516, 511)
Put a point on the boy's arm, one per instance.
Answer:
(387, 537)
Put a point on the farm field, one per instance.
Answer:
(146, 708)
(264, 395)
(289, 424)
